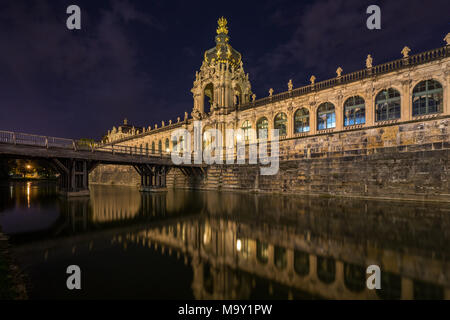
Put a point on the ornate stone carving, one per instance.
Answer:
(270, 92)
(447, 39)
(339, 71)
(369, 61)
(312, 79)
(405, 52)
(290, 85)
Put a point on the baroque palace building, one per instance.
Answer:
(382, 116)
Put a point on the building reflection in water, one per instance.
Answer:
(257, 246)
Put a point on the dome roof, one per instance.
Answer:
(222, 52)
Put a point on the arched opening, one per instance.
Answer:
(301, 263)
(280, 123)
(208, 97)
(387, 105)
(167, 145)
(246, 127)
(354, 277)
(354, 111)
(326, 269)
(174, 144)
(262, 252)
(159, 146)
(391, 286)
(153, 147)
(262, 128)
(326, 116)
(207, 138)
(301, 120)
(237, 96)
(280, 257)
(146, 148)
(427, 98)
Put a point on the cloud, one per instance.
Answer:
(53, 75)
(326, 34)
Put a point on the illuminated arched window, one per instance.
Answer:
(387, 105)
(262, 128)
(207, 138)
(140, 148)
(280, 123)
(181, 145)
(174, 144)
(159, 146)
(326, 116)
(146, 148)
(354, 111)
(427, 98)
(167, 145)
(262, 252)
(246, 127)
(301, 120)
(153, 147)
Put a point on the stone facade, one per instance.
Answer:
(381, 131)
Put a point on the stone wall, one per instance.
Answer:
(401, 161)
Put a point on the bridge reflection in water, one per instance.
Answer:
(241, 246)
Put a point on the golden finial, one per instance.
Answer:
(222, 22)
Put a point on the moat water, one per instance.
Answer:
(222, 245)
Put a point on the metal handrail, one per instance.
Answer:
(19, 138)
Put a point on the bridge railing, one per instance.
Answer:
(18, 138)
(132, 150)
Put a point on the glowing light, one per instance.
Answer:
(238, 245)
(238, 137)
(28, 193)
(28, 167)
(167, 150)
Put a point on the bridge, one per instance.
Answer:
(73, 160)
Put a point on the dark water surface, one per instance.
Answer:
(218, 245)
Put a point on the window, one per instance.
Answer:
(280, 123)
(301, 263)
(387, 105)
(301, 120)
(246, 126)
(153, 147)
(280, 257)
(146, 148)
(167, 145)
(326, 116)
(262, 128)
(159, 146)
(262, 252)
(207, 138)
(326, 269)
(427, 98)
(354, 111)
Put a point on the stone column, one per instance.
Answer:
(407, 289)
(313, 120)
(338, 108)
(406, 98)
(369, 102)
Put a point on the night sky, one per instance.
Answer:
(137, 59)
